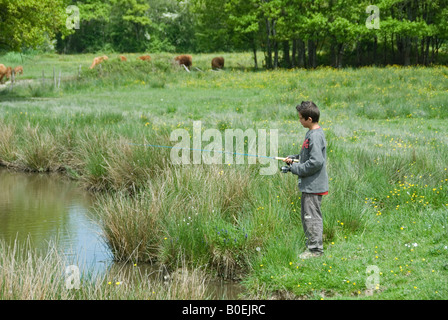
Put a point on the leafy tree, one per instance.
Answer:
(244, 18)
(172, 27)
(128, 25)
(29, 23)
(93, 33)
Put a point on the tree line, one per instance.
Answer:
(308, 33)
(287, 33)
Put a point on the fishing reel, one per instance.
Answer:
(287, 168)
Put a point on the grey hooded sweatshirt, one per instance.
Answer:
(311, 169)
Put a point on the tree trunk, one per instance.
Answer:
(301, 54)
(407, 51)
(392, 46)
(426, 56)
(286, 57)
(294, 52)
(275, 45)
(416, 51)
(400, 49)
(254, 48)
(437, 42)
(358, 53)
(375, 47)
(275, 55)
(268, 45)
(340, 55)
(312, 63)
(433, 47)
(333, 56)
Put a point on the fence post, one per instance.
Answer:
(13, 73)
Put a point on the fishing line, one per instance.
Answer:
(205, 150)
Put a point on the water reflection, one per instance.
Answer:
(45, 207)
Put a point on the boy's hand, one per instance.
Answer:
(288, 160)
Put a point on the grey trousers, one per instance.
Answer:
(312, 221)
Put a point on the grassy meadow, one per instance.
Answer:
(387, 208)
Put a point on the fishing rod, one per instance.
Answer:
(204, 150)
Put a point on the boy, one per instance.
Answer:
(313, 179)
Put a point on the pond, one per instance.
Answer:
(41, 208)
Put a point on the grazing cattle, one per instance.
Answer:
(5, 71)
(98, 60)
(18, 70)
(145, 58)
(218, 63)
(123, 58)
(184, 59)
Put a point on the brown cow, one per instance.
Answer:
(5, 71)
(218, 63)
(18, 70)
(123, 58)
(145, 58)
(184, 59)
(98, 60)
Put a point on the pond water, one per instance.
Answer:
(47, 207)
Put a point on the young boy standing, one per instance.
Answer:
(313, 178)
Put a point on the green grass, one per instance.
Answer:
(387, 151)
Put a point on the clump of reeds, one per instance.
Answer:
(132, 224)
(7, 143)
(39, 150)
(29, 274)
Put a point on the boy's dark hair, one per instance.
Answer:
(309, 109)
